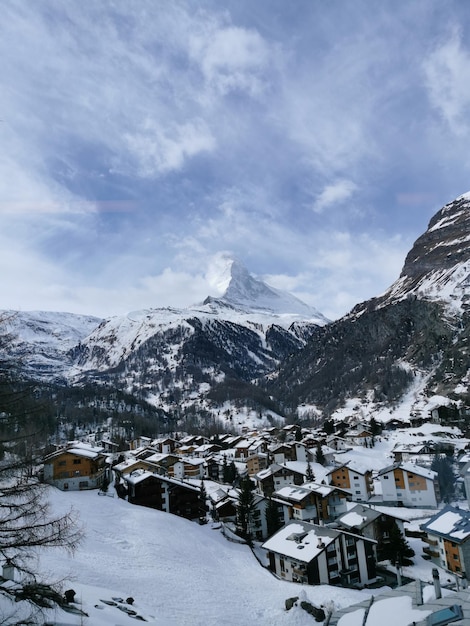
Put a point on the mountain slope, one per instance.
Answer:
(40, 340)
(168, 363)
(415, 334)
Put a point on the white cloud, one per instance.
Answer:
(231, 58)
(159, 150)
(447, 76)
(333, 194)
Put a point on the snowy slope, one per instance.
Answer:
(179, 573)
(42, 339)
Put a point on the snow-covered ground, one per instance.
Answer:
(177, 571)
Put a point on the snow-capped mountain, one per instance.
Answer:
(246, 293)
(177, 360)
(437, 268)
(410, 343)
(190, 360)
(40, 340)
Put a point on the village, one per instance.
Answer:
(338, 505)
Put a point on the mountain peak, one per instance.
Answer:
(238, 288)
(437, 267)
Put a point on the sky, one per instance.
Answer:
(142, 141)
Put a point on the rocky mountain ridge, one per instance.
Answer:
(411, 341)
(181, 361)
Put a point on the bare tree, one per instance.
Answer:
(26, 522)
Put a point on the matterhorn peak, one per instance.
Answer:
(239, 289)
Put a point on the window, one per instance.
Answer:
(356, 477)
(62, 463)
(385, 477)
(358, 492)
(283, 567)
(77, 461)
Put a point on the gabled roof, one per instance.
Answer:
(354, 466)
(358, 517)
(450, 523)
(411, 468)
(77, 448)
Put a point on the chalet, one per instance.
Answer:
(448, 539)
(276, 476)
(224, 506)
(206, 449)
(423, 451)
(282, 452)
(256, 462)
(312, 502)
(311, 554)
(187, 468)
(338, 443)
(359, 437)
(163, 493)
(79, 466)
(165, 445)
(368, 522)
(408, 484)
(353, 478)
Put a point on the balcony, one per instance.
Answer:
(432, 553)
(431, 542)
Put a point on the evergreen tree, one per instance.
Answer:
(225, 470)
(397, 550)
(442, 464)
(245, 509)
(328, 427)
(375, 427)
(309, 475)
(232, 473)
(320, 457)
(273, 522)
(202, 503)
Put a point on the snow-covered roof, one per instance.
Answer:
(354, 466)
(292, 493)
(301, 541)
(411, 468)
(451, 522)
(358, 517)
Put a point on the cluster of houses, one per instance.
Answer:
(329, 525)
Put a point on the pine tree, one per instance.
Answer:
(202, 503)
(273, 522)
(445, 476)
(375, 427)
(309, 475)
(397, 550)
(320, 457)
(245, 509)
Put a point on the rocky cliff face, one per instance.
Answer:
(414, 339)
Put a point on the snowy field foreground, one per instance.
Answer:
(177, 571)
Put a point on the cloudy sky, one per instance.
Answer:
(141, 140)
